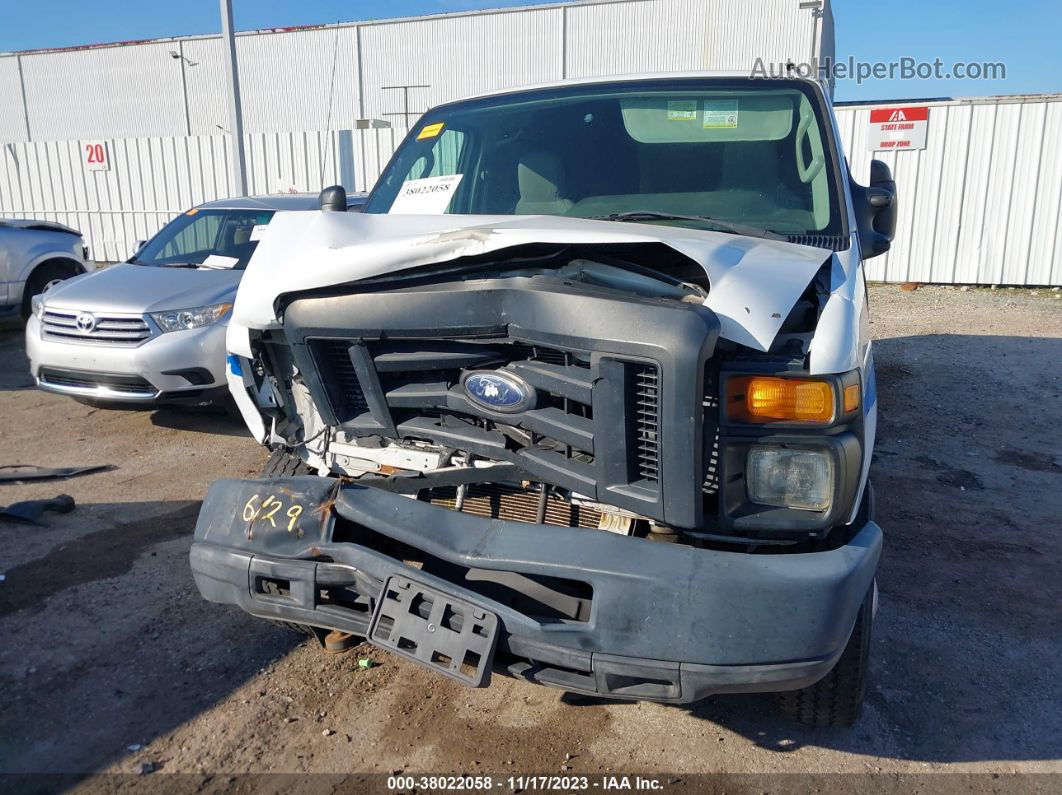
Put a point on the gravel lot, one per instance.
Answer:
(107, 646)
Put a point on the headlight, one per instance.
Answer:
(790, 478)
(37, 305)
(181, 319)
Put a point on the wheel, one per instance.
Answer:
(43, 278)
(282, 463)
(835, 700)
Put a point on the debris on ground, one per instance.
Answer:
(24, 472)
(366, 663)
(31, 511)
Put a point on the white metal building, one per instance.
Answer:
(980, 204)
(176, 86)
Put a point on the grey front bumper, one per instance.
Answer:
(666, 622)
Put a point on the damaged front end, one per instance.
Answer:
(530, 466)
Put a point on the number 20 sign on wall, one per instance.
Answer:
(94, 156)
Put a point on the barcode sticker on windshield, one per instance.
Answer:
(428, 196)
(257, 231)
(720, 114)
(220, 262)
(682, 110)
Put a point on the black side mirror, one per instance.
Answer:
(875, 210)
(334, 199)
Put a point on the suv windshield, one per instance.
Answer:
(751, 154)
(193, 236)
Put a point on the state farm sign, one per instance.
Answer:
(898, 128)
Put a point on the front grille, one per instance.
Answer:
(647, 421)
(499, 501)
(611, 384)
(125, 384)
(422, 398)
(344, 390)
(710, 419)
(107, 329)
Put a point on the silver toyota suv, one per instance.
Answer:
(152, 330)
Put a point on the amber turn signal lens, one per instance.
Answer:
(851, 398)
(756, 398)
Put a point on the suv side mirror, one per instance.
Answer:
(138, 245)
(875, 210)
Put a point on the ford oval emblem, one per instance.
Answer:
(497, 391)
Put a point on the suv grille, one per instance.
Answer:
(62, 325)
(131, 385)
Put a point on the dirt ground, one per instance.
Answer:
(109, 659)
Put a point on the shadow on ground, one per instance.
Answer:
(113, 645)
(967, 647)
(209, 419)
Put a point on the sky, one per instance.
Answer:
(1022, 34)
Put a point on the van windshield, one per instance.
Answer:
(218, 238)
(753, 154)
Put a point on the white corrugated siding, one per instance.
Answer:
(636, 37)
(980, 204)
(739, 33)
(102, 92)
(152, 179)
(12, 119)
(457, 56)
(286, 76)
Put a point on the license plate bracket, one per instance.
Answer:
(438, 630)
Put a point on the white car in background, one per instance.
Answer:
(151, 330)
(34, 256)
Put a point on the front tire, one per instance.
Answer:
(282, 463)
(836, 699)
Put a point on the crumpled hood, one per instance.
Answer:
(754, 282)
(143, 288)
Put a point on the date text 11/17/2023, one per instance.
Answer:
(525, 782)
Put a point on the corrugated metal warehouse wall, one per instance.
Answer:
(980, 204)
(176, 86)
(153, 179)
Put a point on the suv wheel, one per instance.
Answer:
(45, 276)
(835, 700)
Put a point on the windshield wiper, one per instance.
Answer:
(634, 216)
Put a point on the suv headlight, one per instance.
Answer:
(181, 319)
(37, 305)
(790, 478)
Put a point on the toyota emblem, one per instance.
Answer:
(86, 322)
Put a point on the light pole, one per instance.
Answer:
(239, 160)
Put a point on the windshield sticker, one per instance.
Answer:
(720, 114)
(428, 196)
(256, 232)
(682, 110)
(430, 131)
(218, 262)
(193, 211)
